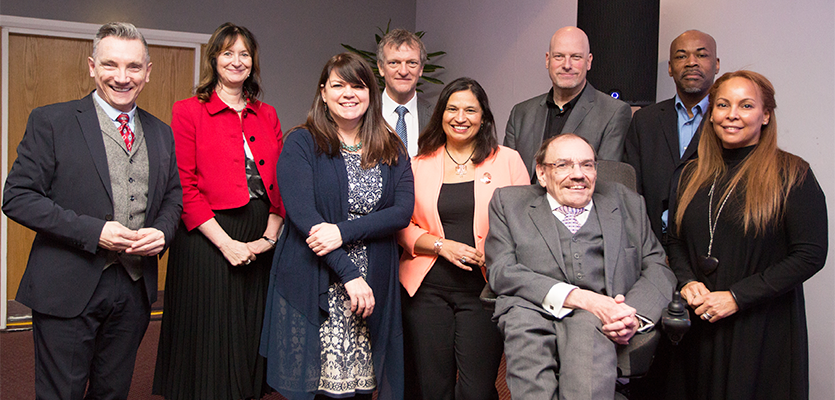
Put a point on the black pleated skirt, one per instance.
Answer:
(213, 311)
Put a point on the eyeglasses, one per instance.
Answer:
(566, 166)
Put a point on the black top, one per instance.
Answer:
(456, 205)
(556, 115)
(761, 351)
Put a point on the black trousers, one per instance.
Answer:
(447, 332)
(98, 346)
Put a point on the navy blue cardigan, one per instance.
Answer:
(314, 188)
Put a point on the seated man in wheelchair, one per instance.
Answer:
(578, 272)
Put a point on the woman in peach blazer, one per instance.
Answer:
(446, 331)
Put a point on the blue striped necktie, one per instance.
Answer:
(401, 124)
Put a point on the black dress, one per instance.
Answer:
(213, 311)
(761, 351)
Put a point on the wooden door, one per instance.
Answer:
(45, 70)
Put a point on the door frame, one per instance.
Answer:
(62, 29)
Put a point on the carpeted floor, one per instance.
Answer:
(17, 364)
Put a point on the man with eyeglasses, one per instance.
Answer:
(578, 272)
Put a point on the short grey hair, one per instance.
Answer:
(398, 37)
(121, 30)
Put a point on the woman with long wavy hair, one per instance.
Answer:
(750, 227)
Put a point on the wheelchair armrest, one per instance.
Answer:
(488, 298)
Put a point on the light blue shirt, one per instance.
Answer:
(687, 128)
(113, 113)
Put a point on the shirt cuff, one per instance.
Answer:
(646, 324)
(556, 297)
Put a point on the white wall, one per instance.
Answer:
(793, 44)
(502, 45)
(296, 37)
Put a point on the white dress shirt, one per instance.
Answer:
(411, 118)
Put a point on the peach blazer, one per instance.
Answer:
(504, 168)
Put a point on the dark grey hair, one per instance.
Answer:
(121, 30)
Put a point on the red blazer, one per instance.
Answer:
(211, 158)
(504, 168)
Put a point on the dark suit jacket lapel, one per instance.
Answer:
(693, 145)
(668, 119)
(612, 229)
(584, 104)
(153, 145)
(88, 120)
(538, 127)
(546, 223)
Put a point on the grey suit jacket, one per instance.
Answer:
(524, 259)
(424, 112)
(599, 118)
(59, 186)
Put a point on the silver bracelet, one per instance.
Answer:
(270, 241)
(439, 245)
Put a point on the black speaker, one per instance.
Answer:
(623, 35)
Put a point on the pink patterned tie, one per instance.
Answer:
(570, 220)
(124, 129)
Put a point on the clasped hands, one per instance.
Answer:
(619, 319)
(461, 255)
(324, 238)
(240, 253)
(709, 306)
(143, 242)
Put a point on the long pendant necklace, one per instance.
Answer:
(710, 263)
(460, 168)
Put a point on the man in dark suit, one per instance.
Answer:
(665, 135)
(97, 180)
(577, 272)
(400, 59)
(572, 105)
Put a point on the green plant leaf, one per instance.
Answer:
(432, 80)
(366, 54)
(371, 58)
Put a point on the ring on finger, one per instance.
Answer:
(463, 260)
(706, 316)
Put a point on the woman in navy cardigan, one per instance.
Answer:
(332, 326)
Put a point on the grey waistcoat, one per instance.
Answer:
(129, 183)
(583, 254)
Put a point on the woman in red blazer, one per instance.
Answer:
(446, 331)
(227, 144)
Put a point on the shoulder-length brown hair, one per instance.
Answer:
(379, 142)
(766, 176)
(433, 136)
(224, 37)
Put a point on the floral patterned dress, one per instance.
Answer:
(346, 346)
